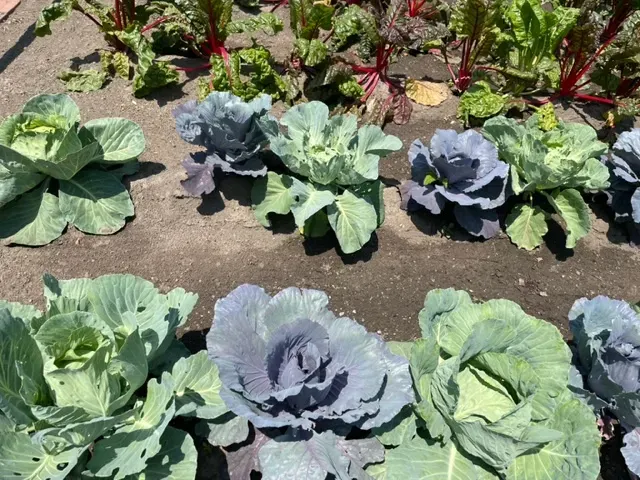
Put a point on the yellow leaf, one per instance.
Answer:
(426, 93)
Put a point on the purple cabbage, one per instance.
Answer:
(230, 131)
(288, 360)
(461, 169)
(624, 193)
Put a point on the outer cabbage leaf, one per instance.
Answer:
(462, 169)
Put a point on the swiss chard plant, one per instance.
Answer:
(54, 172)
(230, 131)
(462, 170)
(334, 174)
(624, 194)
(203, 26)
(492, 399)
(123, 25)
(303, 387)
(606, 333)
(91, 385)
(550, 163)
(598, 27)
(475, 23)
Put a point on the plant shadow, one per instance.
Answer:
(230, 187)
(91, 58)
(17, 48)
(321, 245)
(617, 233)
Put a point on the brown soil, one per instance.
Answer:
(211, 246)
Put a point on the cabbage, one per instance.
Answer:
(288, 362)
(624, 194)
(492, 399)
(462, 169)
(77, 389)
(334, 182)
(547, 169)
(53, 172)
(607, 337)
(230, 131)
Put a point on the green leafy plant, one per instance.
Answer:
(492, 400)
(54, 172)
(334, 182)
(91, 385)
(123, 26)
(548, 166)
(531, 41)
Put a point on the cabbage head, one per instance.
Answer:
(624, 194)
(548, 169)
(54, 172)
(334, 174)
(461, 169)
(304, 379)
(492, 399)
(229, 129)
(91, 385)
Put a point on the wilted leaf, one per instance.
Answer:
(426, 93)
(84, 81)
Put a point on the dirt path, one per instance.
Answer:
(212, 246)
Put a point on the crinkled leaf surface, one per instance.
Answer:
(88, 80)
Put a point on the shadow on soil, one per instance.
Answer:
(229, 188)
(14, 52)
(77, 62)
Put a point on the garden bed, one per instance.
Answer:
(210, 246)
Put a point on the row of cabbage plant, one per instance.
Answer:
(98, 386)
(327, 174)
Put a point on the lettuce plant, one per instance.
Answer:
(123, 25)
(491, 399)
(305, 380)
(607, 336)
(548, 165)
(230, 131)
(461, 169)
(334, 181)
(54, 172)
(624, 194)
(91, 385)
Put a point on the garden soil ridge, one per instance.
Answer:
(211, 246)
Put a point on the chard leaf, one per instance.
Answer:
(197, 387)
(575, 213)
(312, 52)
(526, 226)
(121, 140)
(480, 102)
(32, 219)
(312, 458)
(225, 430)
(121, 65)
(269, 23)
(271, 194)
(21, 364)
(129, 448)
(56, 11)
(83, 81)
(353, 219)
(21, 458)
(309, 200)
(95, 202)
